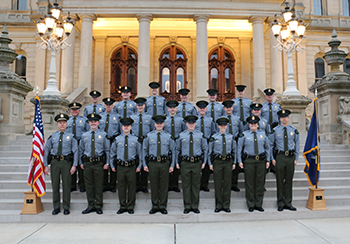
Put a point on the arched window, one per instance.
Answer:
(346, 66)
(21, 66)
(172, 72)
(222, 72)
(123, 71)
(319, 69)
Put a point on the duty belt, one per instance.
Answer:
(221, 157)
(95, 159)
(158, 159)
(289, 153)
(62, 157)
(128, 163)
(257, 157)
(194, 159)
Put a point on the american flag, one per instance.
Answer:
(36, 177)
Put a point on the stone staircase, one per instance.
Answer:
(334, 178)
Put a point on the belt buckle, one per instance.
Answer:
(286, 153)
(126, 163)
(159, 159)
(224, 158)
(90, 159)
(192, 159)
(257, 157)
(61, 158)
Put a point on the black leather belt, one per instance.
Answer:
(193, 159)
(289, 153)
(257, 157)
(62, 157)
(158, 159)
(126, 163)
(94, 159)
(221, 157)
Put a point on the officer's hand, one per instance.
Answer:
(211, 167)
(203, 165)
(274, 162)
(178, 166)
(138, 170)
(267, 165)
(46, 170)
(171, 169)
(240, 165)
(145, 169)
(233, 167)
(82, 166)
(295, 163)
(73, 169)
(105, 166)
(113, 169)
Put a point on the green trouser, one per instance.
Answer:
(205, 176)
(142, 179)
(126, 186)
(284, 178)
(254, 174)
(61, 168)
(81, 182)
(222, 182)
(174, 179)
(109, 179)
(235, 173)
(191, 181)
(159, 179)
(94, 184)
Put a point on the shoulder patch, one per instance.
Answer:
(211, 139)
(241, 135)
(296, 131)
(49, 137)
(272, 131)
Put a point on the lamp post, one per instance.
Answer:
(289, 33)
(53, 32)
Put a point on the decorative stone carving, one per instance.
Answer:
(344, 105)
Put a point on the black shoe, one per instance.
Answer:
(291, 208)
(56, 211)
(73, 189)
(138, 190)
(105, 189)
(235, 188)
(144, 190)
(99, 211)
(196, 210)
(66, 212)
(260, 209)
(217, 210)
(153, 211)
(88, 210)
(163, 211)
(176, 189)
(82, 189)
(186, 211)
(251, 209)
(205, 188)
(113, 190)
(120, 211)
(264, 189)
(170, 189)
(280, 209)
(130, 211)
(227, 210)
(273, 171)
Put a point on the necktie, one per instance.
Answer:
(107, 124)
(172, 127)
(202, 125)
(212, 111)
(241, 110)
(74, 128)
(154, 106)
(230, 125)
(158, 145)
(183, 110)
(94, 109)
(285, 139)
(224, 153)
(256, 147)
(191, 144)
(140, 126)
(59, 150)
(93, 144)
(258, 125)
(124, 115)
(126, 149)
(270, 114)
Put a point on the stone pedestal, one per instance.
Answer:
(297, 105)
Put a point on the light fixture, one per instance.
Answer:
(68, 25)
(293, 24)
(287, 13)
(42, 28)
(301, 29)
(56, 10)
(50, 22)
(276, 27)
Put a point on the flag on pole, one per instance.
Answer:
(312, 150)
(36, 177)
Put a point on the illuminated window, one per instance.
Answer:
(319, 69)
(21, 66)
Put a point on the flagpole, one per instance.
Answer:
(317, 140)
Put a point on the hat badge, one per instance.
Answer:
(108, 99)
(283, 111)
(253, 118)
(74, 104)
(125, 87)
(94, 92)
(256, 105)
(269, 90)
(92, 115)
(62, 116)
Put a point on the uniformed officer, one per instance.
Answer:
(77, 125)
(262, 125)
(222, 152)
(270, 109)
(215, 109)
(185, 108)
(61, 149)
(241, 107)
(159, 149)
(126, 107)
(95, 107)
(234, 127)
(253, 152)
(93, 158)
(192, 153)
(285, 143)
(143, 124)
(207, 126)
(125, 152)
(155, 104)
(110, 124)
(174, 125)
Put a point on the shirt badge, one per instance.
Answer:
(152, 140)
(261, 136)
(147, 121)
(291, 133)
(275, 107)
(99, 137)
(114, 118)
(80, 121)
(263, 123)
(197, 139)
(130, 105)
(68, 138)
(100, 109)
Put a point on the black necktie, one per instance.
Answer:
(256, 146)
(140, 126)
(59, 150)
(154, 106)
(202, 125)
(158, 145)
(94, 109)
(212, 111)
(224, 153)
(172, 127)
(230, 125)
(270, 114)
(74, 127)
(93, 144)
(191, 144)
(241, 110)
(126, 149)
(285, 139)
(107, 124)
(124, 115)
(183, 110)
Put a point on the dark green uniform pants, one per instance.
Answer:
(142, 179)
(235, 173)
(159, 179)
(254, 174)
(222, 183)
(126, 186)
(94, 184)
(81, 182)
(284, 179)
(191, 181)
(205, 176)
(61, 168)
(174, 179)
(109, 179)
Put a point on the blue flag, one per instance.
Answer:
(312, 150)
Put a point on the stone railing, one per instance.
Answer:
(78, 95)
(344, 118)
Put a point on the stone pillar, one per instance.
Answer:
(258, 55)
(100, 46)
(301, 71)
(276, 68)
(86, 51)
(143, 63)
(202, 56)
(192, 85)
(40, 66)
(67, 71)
(246, 65)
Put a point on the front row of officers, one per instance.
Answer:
(166, 148)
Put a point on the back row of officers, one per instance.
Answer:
(132, 140)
